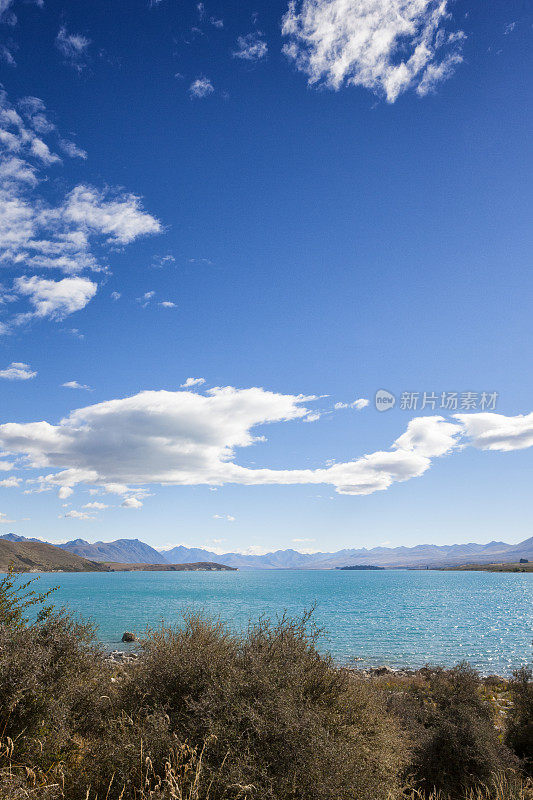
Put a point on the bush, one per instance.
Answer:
(206, 714)
(451, 720)
(520, 718)
(277, 716)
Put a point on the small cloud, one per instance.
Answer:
(71, 149)
(18, 371)
(359, 404)
(251, 47)
(73, 46)
(312, 416)
(75, 332)
(64, 492)
(509, 28)
(131, 502)
(159, 262)
(97, 506)
(11, 482)
(254, 550)
(227, 517)
(115, 295)
(146, 298)
(303, 541)
(213, 489)
(201, 87)
(77, 515)
(200, 261)
(362, 402)
(168, 304)
(4, 519)
(216, 23)
(192, 382)
(76, 385)
(7, 56)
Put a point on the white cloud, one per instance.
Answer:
(387, 46)
(192, 382)
(78, 515)
(357, 404)
(131, 502)
(96, 506)
(226, 517)
(54, 299)
(11, 482)
(251, 47)
(71, 149)
(120, 217)
(201, 87)
(4, 520)
(36, 235)
(168, 304)
(185, 438)
(361, 403)
(73, 46)
(64, 492)
(115, 295)
(18, 371)
(488, 431)
(76, 385)
(146, 298)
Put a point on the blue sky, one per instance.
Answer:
(303, 210)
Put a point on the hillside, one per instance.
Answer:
(27, 556)
(204, 566)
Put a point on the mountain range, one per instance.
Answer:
(133, 551)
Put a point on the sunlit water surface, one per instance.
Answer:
(397, 617)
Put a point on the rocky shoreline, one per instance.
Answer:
(123, 657)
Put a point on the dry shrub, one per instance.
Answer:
(206, 714)
(520, 717)
(450, 719)
(281, 720)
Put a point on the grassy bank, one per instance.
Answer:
(205, 714)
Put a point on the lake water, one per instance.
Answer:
(396, 617)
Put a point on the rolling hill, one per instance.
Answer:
(34, 556)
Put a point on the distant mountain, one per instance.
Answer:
(418, 556)
(14, 537)
(26, 555)
(522, 550)
(123, 551)
(133, 551)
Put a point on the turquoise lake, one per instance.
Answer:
(396, 617)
